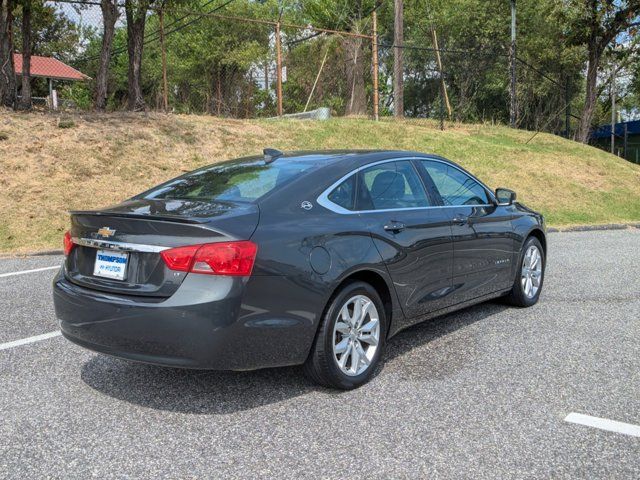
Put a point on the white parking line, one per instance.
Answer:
(25, 341)
(603, 424)
(27, 271)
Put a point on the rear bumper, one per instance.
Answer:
(206, 324)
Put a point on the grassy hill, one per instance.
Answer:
(100, 160)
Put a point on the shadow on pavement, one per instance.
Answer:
(440, 353)
(213, 392)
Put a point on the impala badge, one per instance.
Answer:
(106, 232)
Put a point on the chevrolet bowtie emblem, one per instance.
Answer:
(106, 232)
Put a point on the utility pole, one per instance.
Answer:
(398, 70)
(278, 69)
(512, 58)
(613, 109)
(374, 52)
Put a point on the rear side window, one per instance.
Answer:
(392, 185)
(344, 194)
(233, 181)
(455, 187)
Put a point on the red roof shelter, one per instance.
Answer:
(49, 67)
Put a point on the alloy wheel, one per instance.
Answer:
(531, 276)
(356, 335)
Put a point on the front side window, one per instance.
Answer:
(391, 185)
(455, 187)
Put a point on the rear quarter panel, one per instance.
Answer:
(306, 255)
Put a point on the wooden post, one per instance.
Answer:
(374, 53)
(398, 62)
(279, 69)
(443, 87)
(513, 105)
(165, 94)
(313, 88)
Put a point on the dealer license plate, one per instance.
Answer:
(110, 264)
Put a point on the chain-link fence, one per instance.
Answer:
(447, 85)
(199, 61)
(234, 59)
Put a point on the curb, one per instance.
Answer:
(593, 228)
(39, 253)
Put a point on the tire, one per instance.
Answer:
(338, 331)
(521, 295)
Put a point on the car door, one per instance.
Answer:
(482, 233)
(413, 239)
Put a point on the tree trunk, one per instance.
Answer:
(25, 100)
(357, 101)
(136, 11)
(595, 52)
(7, 72)
(398, 41)
(163, 49)
(109, 17)
(584, 129)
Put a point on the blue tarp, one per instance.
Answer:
(604, 131)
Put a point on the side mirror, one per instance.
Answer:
(505, 196)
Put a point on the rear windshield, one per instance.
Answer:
(233, 181)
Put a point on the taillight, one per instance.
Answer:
(68, 243)
(223, 258)
(180, 258)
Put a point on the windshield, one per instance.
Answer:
(238, 181)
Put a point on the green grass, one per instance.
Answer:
(48, 171)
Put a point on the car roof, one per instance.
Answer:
(337, 164)
(347, 157)
(326, 157)
(329, 166)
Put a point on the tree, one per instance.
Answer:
(25, 98)
(348, 15)
(7, 72)
(398, 67)
(211, 63)
(603, 21)
(52, 33)
(136, 13)
(109, 17)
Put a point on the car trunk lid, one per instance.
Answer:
(136, 231)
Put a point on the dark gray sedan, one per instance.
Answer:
(313, 258)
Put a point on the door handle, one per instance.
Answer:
(394, 226)
(460, 219)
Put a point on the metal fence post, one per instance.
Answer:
(567, 110)
(374, 52)
(279, 69)
(441, 105)
(613, 110)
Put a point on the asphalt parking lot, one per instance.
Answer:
(482, 393)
